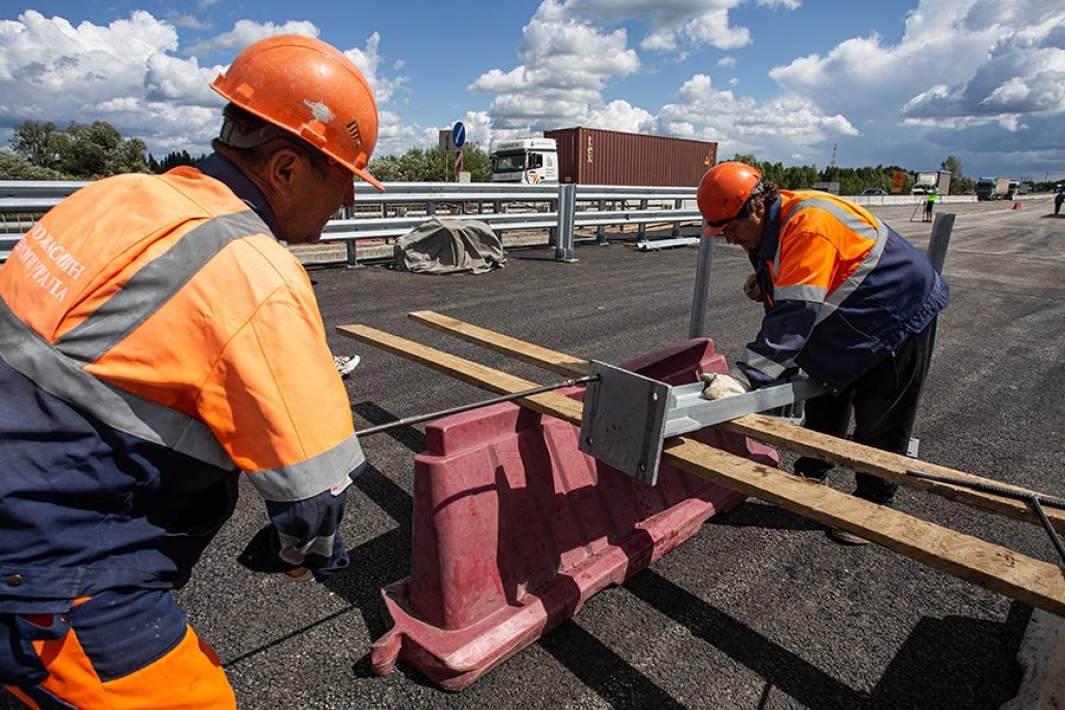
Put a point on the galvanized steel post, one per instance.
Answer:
(351, 245)
(677, 204)
(697, 326)
(643, 225)
(552, 232)
(567, 209)
(600, 231)
(940, 239)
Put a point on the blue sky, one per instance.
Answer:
(887, 82)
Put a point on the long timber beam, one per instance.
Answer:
(857, 457)
(998, 569)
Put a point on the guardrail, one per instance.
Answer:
(559, 209)
(411, 204)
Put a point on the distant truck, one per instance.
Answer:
(992, 188)
(928, 179)
(526, 160)
(592, 156)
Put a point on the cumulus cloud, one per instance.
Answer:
(973, 71)
(742, 124)
(131, 73)
(245, 32)
(676, 24)
(188, 22)
(566, 62)
(727, 62)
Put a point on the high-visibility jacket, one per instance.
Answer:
(842, 290)
(155, 340)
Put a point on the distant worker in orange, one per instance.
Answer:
(157, 341)
(847, 300)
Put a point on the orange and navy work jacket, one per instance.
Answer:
(842, 291)
(156, 341)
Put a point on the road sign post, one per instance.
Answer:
(458, 139)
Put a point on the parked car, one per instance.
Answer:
(874, 191)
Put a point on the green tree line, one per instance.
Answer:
(86, 151)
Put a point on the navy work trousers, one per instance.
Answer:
(884, 403)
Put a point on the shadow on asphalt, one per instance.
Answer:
(602, 670)
(408, 436)
(750, 514)
(945, 645)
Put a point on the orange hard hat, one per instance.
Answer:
(310, 89)
(723, 191)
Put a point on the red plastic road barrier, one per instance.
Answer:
(515, 528)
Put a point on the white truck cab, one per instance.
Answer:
(527, 160)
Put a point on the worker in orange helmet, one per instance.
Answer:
(156, 342)
(847, 300)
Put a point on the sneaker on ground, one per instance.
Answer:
(345, 364)
(846, 538)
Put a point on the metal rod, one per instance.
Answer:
(1051, 501)
(474, 405)
(1054, 538)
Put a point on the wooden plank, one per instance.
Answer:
(518, 349)
(993, 567)
(858, 457)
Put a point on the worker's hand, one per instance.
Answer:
(718, 386)
(751, 289)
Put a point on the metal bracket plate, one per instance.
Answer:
(627, 416)
(624, 418)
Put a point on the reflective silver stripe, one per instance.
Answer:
(154, 284)
(837, 297)
(802, 292)
(28, 353)
(294, 553)
(761, 363)
(326, 471)
(849, 220)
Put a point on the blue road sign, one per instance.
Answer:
(458, 134)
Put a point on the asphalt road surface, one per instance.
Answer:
(759, 609)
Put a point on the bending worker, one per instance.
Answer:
(156, 341)
(847, 300)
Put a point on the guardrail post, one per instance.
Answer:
(600, 231)
(942, 228)
(567, 209)
(677, 204)
(552, 233)
(697, 325)
(350, 245)
(642, 233)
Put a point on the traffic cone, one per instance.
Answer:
(1016, 205)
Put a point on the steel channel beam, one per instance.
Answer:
(687, 411)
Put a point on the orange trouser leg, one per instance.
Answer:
(188, 676)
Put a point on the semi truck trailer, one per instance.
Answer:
(592, 156)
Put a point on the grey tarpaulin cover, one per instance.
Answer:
(446, 246)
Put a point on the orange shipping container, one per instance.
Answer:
(592, 156)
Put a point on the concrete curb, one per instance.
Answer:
(1042, 655)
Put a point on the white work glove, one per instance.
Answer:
(718, 386)
(751, 290)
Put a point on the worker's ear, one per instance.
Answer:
(758, 208)
(282, 170)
